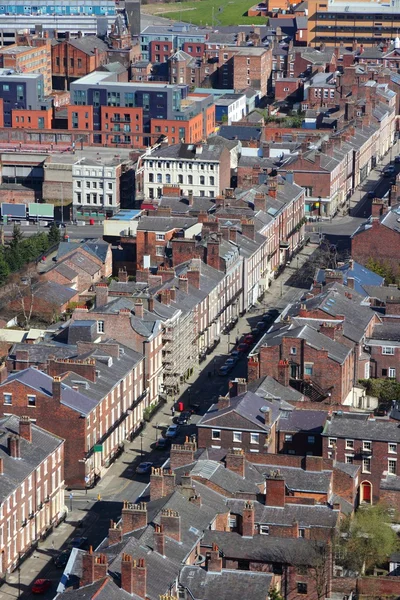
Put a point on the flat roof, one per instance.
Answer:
(16, 49)
(126, 215)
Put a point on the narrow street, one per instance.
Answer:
(92, 511)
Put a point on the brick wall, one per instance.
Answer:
(378, 242)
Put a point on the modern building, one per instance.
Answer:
(73, 16)
(230, 108)
(29, 59)
(22, 101)
(100, 189)
(158, 41)
(31, 484)
(338, 22)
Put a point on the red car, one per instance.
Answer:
(248, 339)
(41, 586)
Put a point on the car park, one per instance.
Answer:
(41, 586)
(172, 431)
(143, 468)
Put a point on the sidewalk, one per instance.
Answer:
(200, 387)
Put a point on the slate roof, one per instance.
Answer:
(268, 387)
(360, 427)
(54, 293)
(39, 353)
(32, 454)
(243, 411)
(180, 205)
(226, 479)
(385, 331)
(104, 589)
(165, 223)
(88, 44)
(210, 152)
(83, 262)
(262, 548)
(299, 480)
(41, 382)
(230, 583)
(382, 292)
(362, 276)
(391, 482)
(65, 271)
(305, 515)
(97, 247)
(310, 421)
(146, 327)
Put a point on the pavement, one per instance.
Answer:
(89, 513)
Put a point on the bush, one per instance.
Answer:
(384, 389)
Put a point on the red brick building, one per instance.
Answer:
(31, 486)
(94, 420)
(73, 58)
(373, 445)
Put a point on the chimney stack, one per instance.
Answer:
(133, 576)
(275, 490)
(235, 461)
(159, 539)
(25, 428)
(248, 520)
(156, 484)
(214, 560)
(182, 454)
(14, 449)
(123, 275)
(94, 568)
(101, 290)
(139, 309)
(171, 523)
(56, 388)
(184, 284)
(134, 516)
(114, 534)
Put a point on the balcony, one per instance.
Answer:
(118, 119)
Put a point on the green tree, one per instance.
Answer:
(369, 539)
(381, 268)
(54, 236)
(17, 236)
(4, 268)
(274, 594)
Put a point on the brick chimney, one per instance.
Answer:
(235, 461)
(133, 576)
(248, 520)
(114, 534)
(123, 275)
(25, 428)
(183, 284)
(56, 388)
(101, 290)
(171, 523)
(377, 208)
(159, 539)
(193, 276)
(169, 482)
(214, 560)
(156, 484)
(275, 490)
(212, 254)
(14, 449)
(331, 330)
(182, 454)
(237, 386)
(283, 372)
(139, 309)
(134, 516)
(313, 463)
(248, 229)
(94, 568)
(259, 201)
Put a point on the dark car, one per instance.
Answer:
(184, 418)
(397, 159)
(162, 443)
(270, 315)
(80, 542)
(61, 559)
(371, 194)
(389, 171)
(194, 408)
(41, 586)
(144, 467)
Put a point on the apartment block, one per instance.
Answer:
(23, 100)
(30, 59)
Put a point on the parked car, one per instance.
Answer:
(41, 586)
(61, 559)
(261, 325)
(371, 194)
(184, 418)
(172, 431)
(248, 339)
(194, 408)
(270, 315)
(243, 347)
(235, 353)
(225, 369)
(143, 468)
(389, 171)
(80, 542)
(162, 443)
(231, 361)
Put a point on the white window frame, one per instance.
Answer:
(365, 469)
(349, 445)
(264, 529)
(391, 372)
(388, 350)
(252, 436)
(288, 437)
(393, 462)
(367, 445)
(332, 442)
(293, 350)
(237, 437)
(100, 326)
(349, 459)
(9, 396)
(216, 437)
(392, 448)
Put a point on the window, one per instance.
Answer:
(392, 466)
(7, 399)
(190, 179)
(302, 532)
(264, 529)
(237, 436)
(202, 179)
(308, 369)
(31, 400)
(160, 237)
(293, 350)
(151, 178)
(392, 372)
(180, 178)
(366, 465)
(349, 459)
(216, 434)
(311, 439)
(387, 350)
(332, 442)
(350, 444)
(392, 448)
(100, 326)
(159, 250)
(301, 588)
(254, 438)
(367, 446)
(212, 180)
(159, 177)
(288, 437)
